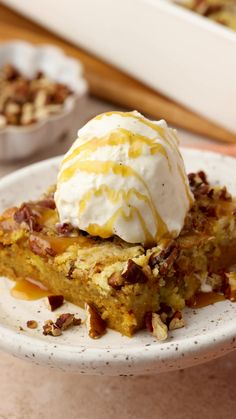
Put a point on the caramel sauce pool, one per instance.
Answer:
(26, 290)
(203, 299)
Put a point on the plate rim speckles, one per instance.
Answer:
(200, 341)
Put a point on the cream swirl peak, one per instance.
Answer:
(124, 176)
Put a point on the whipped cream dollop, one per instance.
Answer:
(124, 176)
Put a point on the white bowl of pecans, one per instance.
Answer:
(41, 93)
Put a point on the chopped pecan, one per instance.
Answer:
(209, 210)
(177, 321)
(164, 308)
(64, 229)
(203, 177)
(55, 301)
(225, 195)
(69, 275)
(50, 328)
(47, 203)
(148, 321)
(27, 216)
(201, 191)
(10, 72)
(199, 184)
(32, 324)
(197, 179)
(95, 324)
(211, 193)
(76, 321)
(116, 281)
(134, 274)
(165, 259)
(63, 322)
(229, 288)
(40, 246)
(160, 330)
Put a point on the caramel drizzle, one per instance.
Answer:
(98, 167)
(106, 230)
(144, 121)
(120, 137)
(115, 196)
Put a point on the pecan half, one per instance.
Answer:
(40, 246)
(27, 216)
(95, 324)
(134, 274)
(165, 259)
(55, 301)
(160, 330)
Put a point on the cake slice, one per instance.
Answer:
(125, 282)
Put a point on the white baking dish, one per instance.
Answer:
(185, 56)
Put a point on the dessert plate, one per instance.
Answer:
(210, 332)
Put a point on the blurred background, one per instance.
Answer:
(61, 63)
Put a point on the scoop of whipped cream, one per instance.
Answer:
(124, 176)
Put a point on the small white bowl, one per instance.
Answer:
(18, 142)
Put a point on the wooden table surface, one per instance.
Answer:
(110, 84)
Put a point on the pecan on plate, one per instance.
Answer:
(95, 324)
(176, 322)
(159, 328)
(63, 322)
(55, 301)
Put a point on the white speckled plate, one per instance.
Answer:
(210, 332)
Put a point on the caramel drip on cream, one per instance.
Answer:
(100, 167)
(115, 196)
(117, 138)
(106, 230)
(159, 130)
